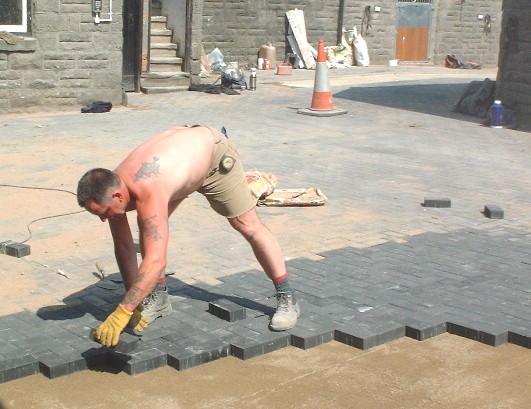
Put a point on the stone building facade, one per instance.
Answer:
(63, 59)
(70, 56)
(513, 84)
(468, 28)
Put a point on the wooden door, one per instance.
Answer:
(413, 30)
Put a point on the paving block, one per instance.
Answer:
(274, 341)
(182, 358)
(493, 212)
(421, 331)
(246, 348)
(14, 249)
(207, 351)
(16, 368)
(458, 327)
(95, 356)
(143, 361)
(227, 310)
(440, 202)
(519, 339)
(355, 336)
(52, 365)
(308, 338)
(493, 335)
(389, 331)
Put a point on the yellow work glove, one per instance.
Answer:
(108, 333)
(138, 322)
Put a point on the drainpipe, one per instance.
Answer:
(340, 17)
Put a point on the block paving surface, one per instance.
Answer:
(371, 266)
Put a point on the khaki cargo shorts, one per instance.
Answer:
(227, 191)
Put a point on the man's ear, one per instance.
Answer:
(118, 195)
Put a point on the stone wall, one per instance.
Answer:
(65, 61)
(459, 30)
(238, 28)
(513, 84)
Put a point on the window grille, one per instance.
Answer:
(14, 16)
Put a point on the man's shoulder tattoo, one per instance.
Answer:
(147, 170)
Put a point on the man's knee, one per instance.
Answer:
(248, 224)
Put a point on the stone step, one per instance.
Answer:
(165, 39)
(166, 60)
(159, 19)
(163, 90)
(163, 52)
(158, 26)
(164, 82)
(164, 67)
(165, 75)
(166, 46)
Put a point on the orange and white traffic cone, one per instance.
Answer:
(322, 103)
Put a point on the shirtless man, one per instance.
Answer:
(153, 180)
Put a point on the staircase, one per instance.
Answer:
(164, 73)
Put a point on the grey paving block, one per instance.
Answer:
(208, 351)
(143, 361)
(389, 331)
(462, 328)
(440, 202)
(52, 365)
(274, 341)
(309, 338)
(16, 368)
(227, 310)
(195, 354)
(493, 212)
(183, 358)
(14, 249)
(184, 332)
(246, 348)
(518, 339)
(355, 336)
(151, 333)
(421, 330)
(492, 334)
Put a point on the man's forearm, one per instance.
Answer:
(143, 284)
(128, 264)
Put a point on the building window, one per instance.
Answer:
(14, 16)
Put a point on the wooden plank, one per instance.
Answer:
(298, 27)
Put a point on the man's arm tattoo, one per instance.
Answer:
(150, 228)
(147, 170)
(139, 277)
(133, 296)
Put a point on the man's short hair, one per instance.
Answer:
(95, 184)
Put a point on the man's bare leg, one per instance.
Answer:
(264, 244)
(268, 253)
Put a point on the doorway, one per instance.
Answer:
(414, 19)
(132, 46)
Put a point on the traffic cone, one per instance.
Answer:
(322, 103)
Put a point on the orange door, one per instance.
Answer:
(412, 43)
(413, 30)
